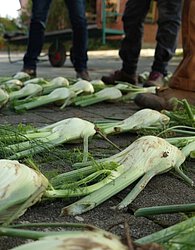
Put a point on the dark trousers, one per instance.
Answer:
(169, 20)
(38, 21)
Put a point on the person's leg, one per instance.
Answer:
(133, 21)
(169, 20)
(36, 33)
(80, 33)
(182, 84)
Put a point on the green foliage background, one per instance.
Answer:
(57, 19)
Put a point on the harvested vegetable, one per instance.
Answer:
(28, 90)
(4, 97)
(58, 95)
(91, 238)
(20, 188)
(145, 157)
(47, 137)
(79, 240)
(22, 76)
(131, 90)
(4, 79)
(98, 84)
(11, 85)
(81, 182)
(82, 86)
(84, 237)
(55, 83)
(107, 94)
(183, 115)
(143, 77)
(143, 118)
(177, 237)
(36, 80)
(179, 208)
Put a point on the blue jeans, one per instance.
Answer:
(38, 21)
(169, 20)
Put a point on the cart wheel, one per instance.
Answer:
(72, 55)
(57, 54)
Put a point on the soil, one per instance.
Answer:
(161, 190)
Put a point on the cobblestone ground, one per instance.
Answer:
(161, 190)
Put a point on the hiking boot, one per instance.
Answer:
(155, 79)
(164, 98)
(83, 75)
(120, 75)
(31, 72)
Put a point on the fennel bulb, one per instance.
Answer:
(22, 76)
(52, 135)
(60, 81)
(97, 82)
(98, 85)
(12, 84)
(28, 90)
(143, 118)
(55, 83)
(4, 97)
(82, 86)
(37, 80)
(18, 184)
(76, 240)
(106, 94)
(57, 95)
(145, 157)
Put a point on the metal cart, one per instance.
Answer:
(57, 53)
(109, 17)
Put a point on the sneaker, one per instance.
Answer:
(155, 79)
(83, 75)
(31, 72)
(119, 75)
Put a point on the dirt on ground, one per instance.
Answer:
(161, 190)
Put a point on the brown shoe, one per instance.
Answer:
(155, 79)
(83, 75)
(164, 98)
(31, 72)
(119, 75)
(152, 101)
